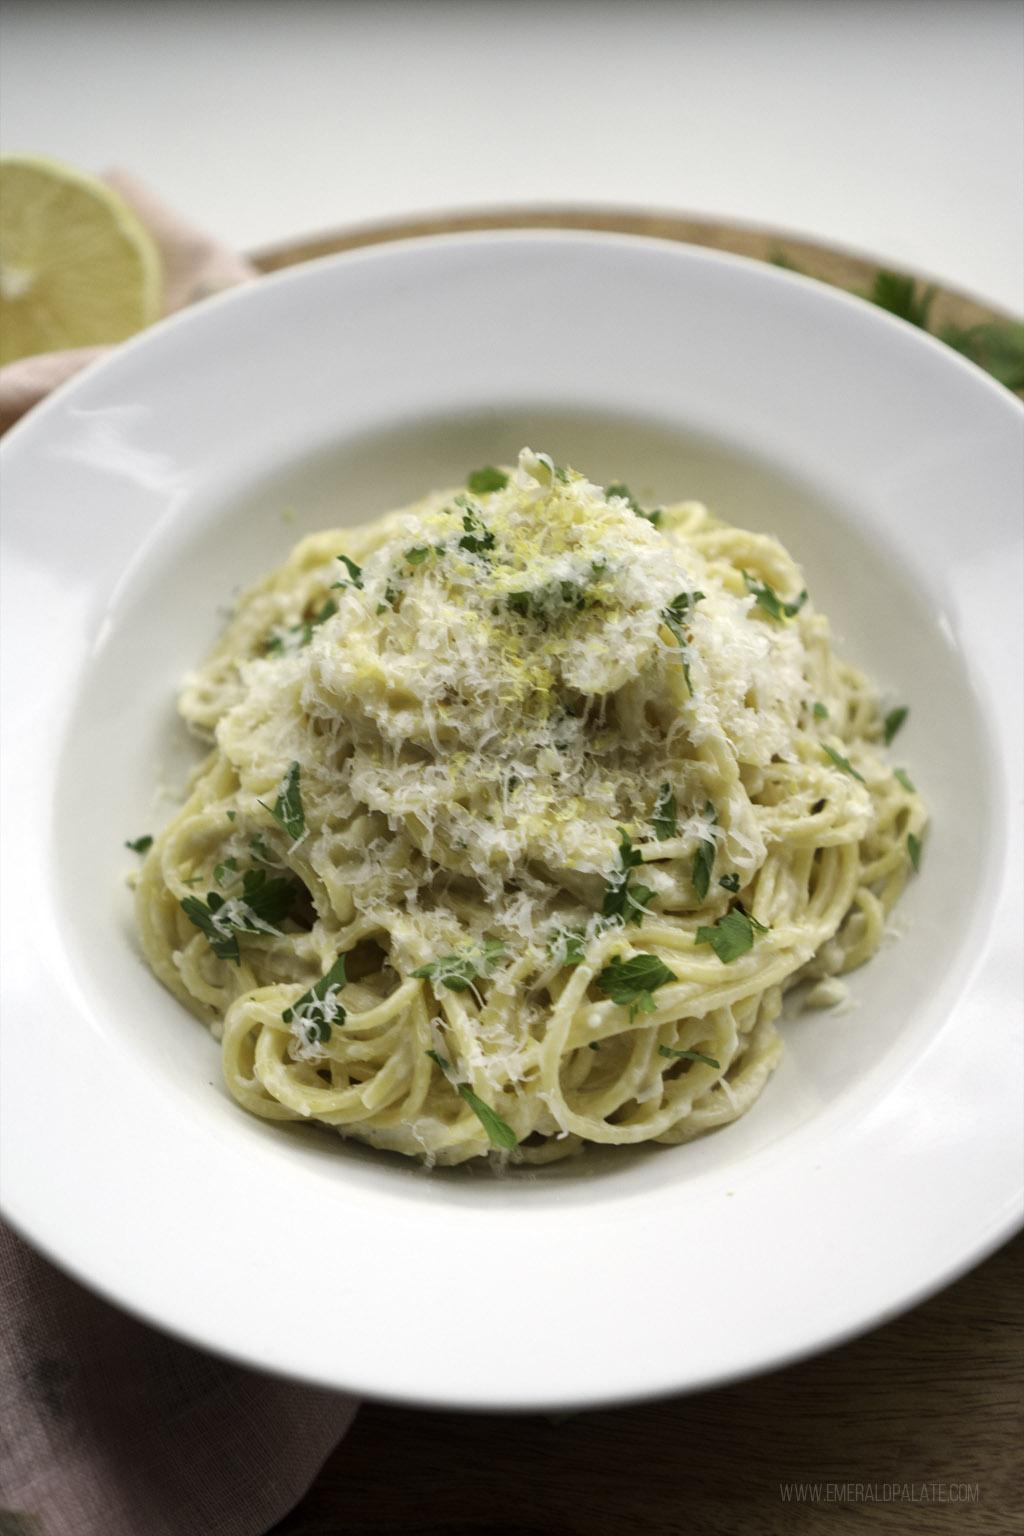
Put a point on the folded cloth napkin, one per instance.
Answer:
(194, 266)
(107, 1426)
(110, 1428)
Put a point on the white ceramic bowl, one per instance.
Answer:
(884, 1157)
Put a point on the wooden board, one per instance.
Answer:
(916, 1427)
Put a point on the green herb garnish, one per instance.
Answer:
(141, 844)
(477, 538)
(499, 1132)
(482, 481)
(417, 554)
(567, 946)
(287, 809)
(904, 778)
(458, 972)
(704, 856)
(841, 761)
(668, 1050)
(767, 599)
(730, 882)
(623, 902)
(318, 1009)
(630, 983)
(914, 849)
(621, 490)
(820, 712)
(261, 904)
(732, 935)
(892, 722)
(664, 819)
(226, 867)
(355, 573)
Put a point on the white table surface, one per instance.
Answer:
(894, 128)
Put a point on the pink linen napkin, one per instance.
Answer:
(107, 1426)
(194, 266)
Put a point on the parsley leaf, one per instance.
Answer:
(704, 857)
(904, 778)
(664, 819)
(458, 972)
(318, 1010)
(355, 573)
(499, 1132)
(730, 882)
(842, 762)
(567, 946)
(418, 554)
(261, 904)
(914, 849)
(654, 518)
(228, 866)
(630, 983)
(676, 615)
(298, 635)
(892, 722)
(482, 481)
(820, 712)
(679, 612)
(670, 1051)
(622, 901)
(141, 844)
(287, 809)
(732, 935)
(477, 538)
(766, 598)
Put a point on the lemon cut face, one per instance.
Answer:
(77, 268)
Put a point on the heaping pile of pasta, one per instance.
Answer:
(525, 808)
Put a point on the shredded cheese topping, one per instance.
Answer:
(565, 789)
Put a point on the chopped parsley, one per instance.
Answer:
(820, 712)
(914, 849)
(261, 904)
(458, 972)
(676, 616)
(618, 489)
(318, 1010)
(670, 1051)
(892, 722)
(904, 778)
(767, 599)
(478, 538)
(227, 867)
(417, 554)
(355, 573)
(630, 983)
(567, 946)
(140, 844)
(287, 809)
(499, 1132)
(841, 761)
(730, 882)
(664, 819)
(622, 902)
(482, 481)
(704, 856)
(895, 292)
(298, 635)
(732, 935)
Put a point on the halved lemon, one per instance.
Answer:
(77, 268)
